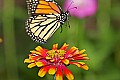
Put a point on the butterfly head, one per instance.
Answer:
(64, 17)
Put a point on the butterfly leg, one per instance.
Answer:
(61, 29)
(68, 22)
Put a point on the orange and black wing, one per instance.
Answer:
(36, 7)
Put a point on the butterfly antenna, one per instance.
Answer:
(72, 8)
(69, 5)
(68, 9)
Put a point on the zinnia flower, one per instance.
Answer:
(84, 7)
(55, 61)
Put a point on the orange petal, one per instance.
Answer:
(75, 63)
(35, 52)
(80, 65)
(65, 61)
(68, 74)
(71, 50)
(55, 46)
(82, 51)
(31, 65)
(40, 64)
(77, 52)
(59, 75)
(27, 61)
(84, 66)
(64, 47)
(41, 51)
(84, 55)
(52, 70)
(38, 48)
(33, 57)
(43, 71)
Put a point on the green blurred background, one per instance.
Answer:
(98, 34)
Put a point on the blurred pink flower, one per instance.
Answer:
(84, 7)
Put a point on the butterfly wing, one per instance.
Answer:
(31, 5)
(43, 20)
(41, 28)
(47, 7)
(42, 7)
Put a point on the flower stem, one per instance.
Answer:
(54, 77)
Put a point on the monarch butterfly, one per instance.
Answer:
(45, 17)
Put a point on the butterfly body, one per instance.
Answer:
(63, 17)
(45, 17)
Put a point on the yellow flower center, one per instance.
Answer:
(56, 53)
